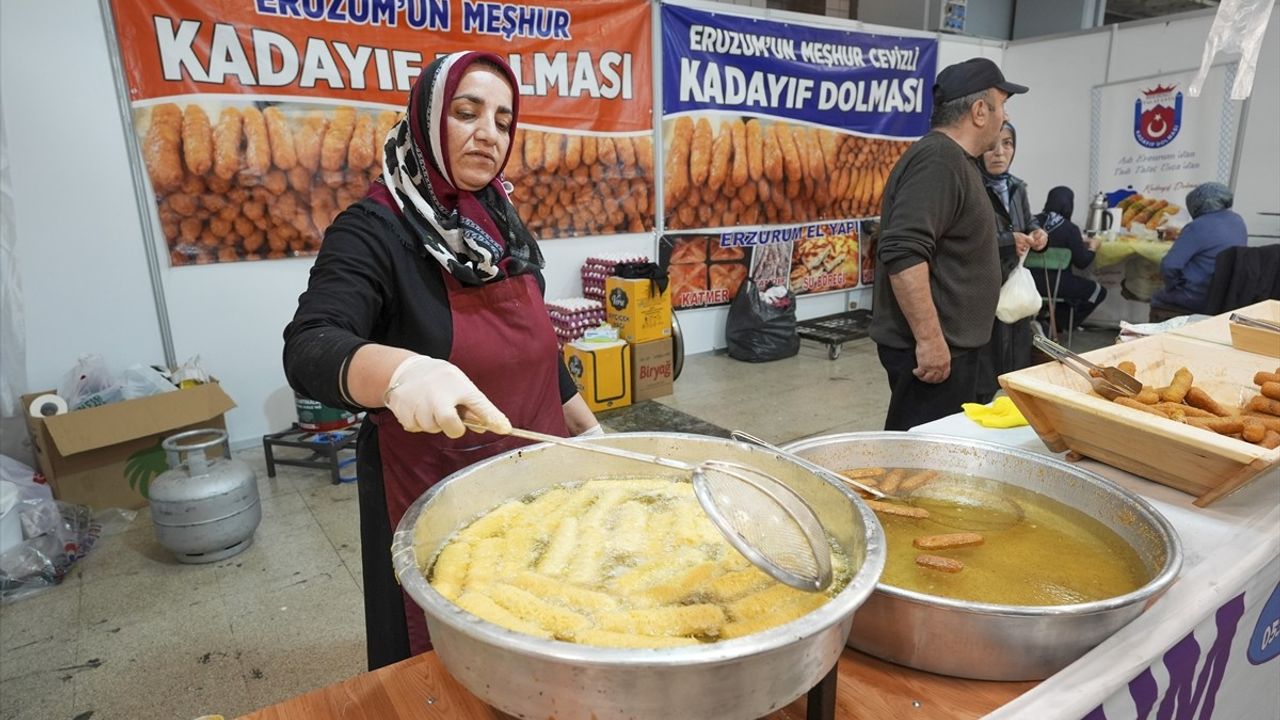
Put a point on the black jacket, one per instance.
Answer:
(1015, 218)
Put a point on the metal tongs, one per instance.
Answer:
(1109, 382)
(1254, 322)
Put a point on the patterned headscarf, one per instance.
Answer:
(1208, 198)
(1000, 183)
(476, 236)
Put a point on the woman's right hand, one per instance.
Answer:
(427, 394)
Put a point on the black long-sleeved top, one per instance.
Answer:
(936, 210)
(371, 283)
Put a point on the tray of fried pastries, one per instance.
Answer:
(1206, 422)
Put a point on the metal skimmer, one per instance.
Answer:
(766, 521)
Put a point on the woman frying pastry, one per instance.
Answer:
(425, 305)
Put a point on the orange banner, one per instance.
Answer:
(582, 64)
(260, 120)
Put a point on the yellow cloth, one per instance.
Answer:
(1111, 252)
(1001, 413)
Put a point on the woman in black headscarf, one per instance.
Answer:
(1072, 291)
(425, 304)
(1017, 233)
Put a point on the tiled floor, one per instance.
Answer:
(133, 634)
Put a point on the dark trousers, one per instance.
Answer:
(914, 402)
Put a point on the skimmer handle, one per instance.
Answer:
(589, 447)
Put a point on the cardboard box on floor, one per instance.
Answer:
(602, 372)
(652, 365)
(106, 456)
(636, 310)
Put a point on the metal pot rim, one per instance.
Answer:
(1153, 587)
(839, 608)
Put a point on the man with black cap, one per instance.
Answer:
(938, 271)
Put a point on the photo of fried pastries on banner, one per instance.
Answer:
(726, 171)
(570, 184)
(701, 272)
(251, 180)
(869, 237)
(828, 261)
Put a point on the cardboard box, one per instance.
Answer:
(106, 456)
(652, 366)
(602, 372)
(633, 307)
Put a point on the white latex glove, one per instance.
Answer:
(593, 430)
(429, 395)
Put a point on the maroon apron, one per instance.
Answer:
(503, 342)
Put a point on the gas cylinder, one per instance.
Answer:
(204, 509)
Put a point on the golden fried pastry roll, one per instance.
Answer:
(935, 562)
(1262, 377)
(309, 140)
(590, 150)
(895, 509)
(721, 149)
(280, 137)
(861, 473)
(1264, 405)
(772, 154)
(551, 152)
(1185, 410)
(257, 149)
(197, 140)
(917, 481)
(755, 149)
(1128, 367)
(572, 152)
(226, 144)
(534, 152)
(893, 481)
(1252, 430)
(644, 154)
(1222, 426)
(1198, 398)
(677, 164)
(1178, 388)
(700, 152)
(1131, 403)
(607, 150)
(947, 540)
(161, 149)
(740, 171)
(337, 138)
(360, 152)
(1271, 389)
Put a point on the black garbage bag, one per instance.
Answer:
(758, 330)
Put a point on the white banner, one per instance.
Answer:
(1149, 137)
(1225, 668)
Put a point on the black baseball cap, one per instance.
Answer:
(971, 76)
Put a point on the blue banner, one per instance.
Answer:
(869, 84)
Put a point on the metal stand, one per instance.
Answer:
(835, 330)
(821, 703)
(324, 447)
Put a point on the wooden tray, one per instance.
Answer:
(1255, 340)
(1067, 415)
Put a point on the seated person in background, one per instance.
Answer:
(1188, 267)
(1073, 291)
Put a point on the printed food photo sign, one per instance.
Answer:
(1152, 144)
(259, 120)
(769, 124)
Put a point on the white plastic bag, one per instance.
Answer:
(1238, 27)
(90, 384)
(141, 381)
(1019, 297)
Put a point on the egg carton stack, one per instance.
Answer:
(571, 317)
(598, 267)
